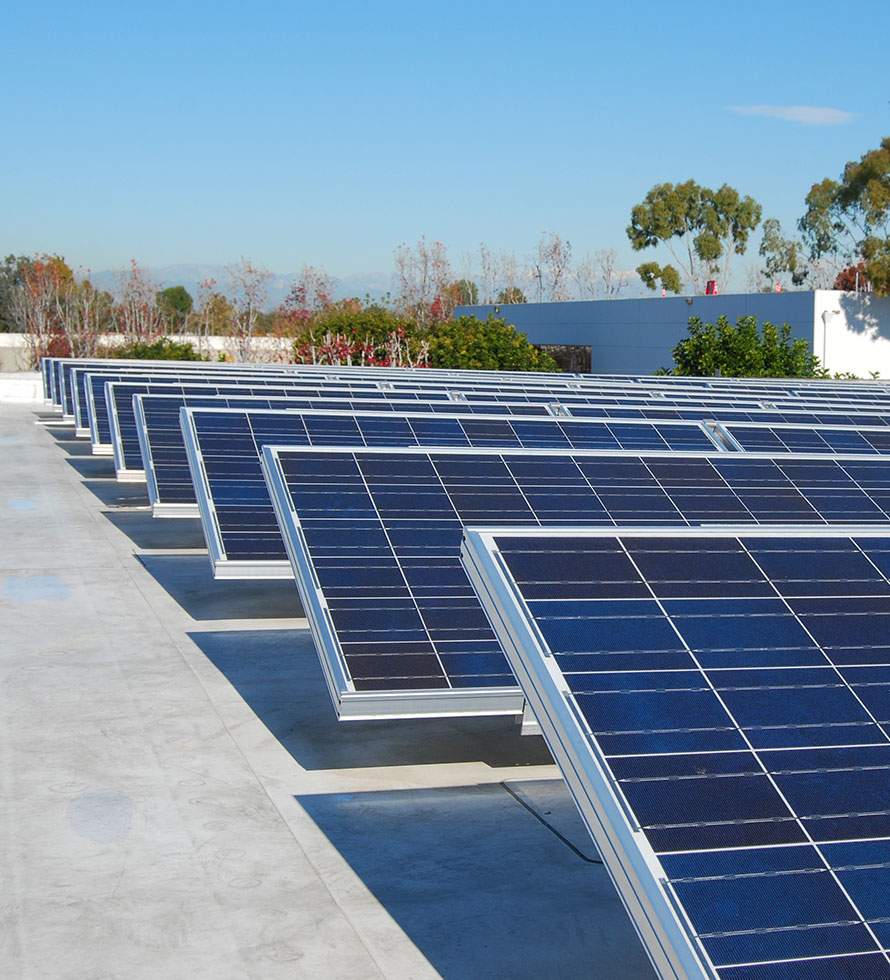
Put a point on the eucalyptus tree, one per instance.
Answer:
(701, 228)
(851, 216)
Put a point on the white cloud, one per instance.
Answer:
(808, 115)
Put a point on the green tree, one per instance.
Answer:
(351, 317)
(783, 255)
(509, 295)
(175, 304)
(743, 350)
(490, 344)
(851, 216)
(652, 274)
(700, 227)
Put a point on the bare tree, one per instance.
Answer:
(248, 284)
(136, 314)
(423, 271)
(612, 279)
(598, 275)
(311, 292)
(92, 309)
(823, 272)
(756, 280)
(511, 275)
(551, 268)
(487, 275)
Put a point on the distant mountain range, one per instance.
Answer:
(189, 275)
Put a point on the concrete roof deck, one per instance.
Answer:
(179, 799)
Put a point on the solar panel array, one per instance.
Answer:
(720, 706)
(686, 578)
(224, 450)
(153, 416)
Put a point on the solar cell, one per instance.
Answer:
(223, 450)
(718, 705)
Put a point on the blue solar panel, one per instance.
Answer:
(155, 417)
(719, 706)
(162, 451)
(611, 489)
(363, 510)
(809, 439)
(87, 383)
(112, 418)
(236, 510)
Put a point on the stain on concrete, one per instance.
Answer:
(21, 503)
(101, 815)
(35, 588)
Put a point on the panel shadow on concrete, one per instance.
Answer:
(189, 580)
(278, 675)
(77, 447)
(149, 533)
(92, 467)
(480, 886)
(114, 494)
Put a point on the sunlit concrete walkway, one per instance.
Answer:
(179, 801)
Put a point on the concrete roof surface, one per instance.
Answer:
(179, 800)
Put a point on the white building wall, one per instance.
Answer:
(851, 332)
(15, 354)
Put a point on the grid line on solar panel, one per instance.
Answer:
(617, 488)
(808, 439)
(122, 422)
(162, 452)
(130, 450)
(403, 506)
(69, 366)
(745, 806)
(86, 380)
(763, 387)
(511, 388)
(117, 418)
(135, 446)
(156, 416)
(99, 449)
(223, 449)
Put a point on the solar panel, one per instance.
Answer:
(808, 438)
(223, 450)
(72, 373)
(124, 427)
(154, 416)
(110, 414)
(162, 453)
(373, 532)
(800, 417)
(113, 425)
(719, 706)
(131, 437)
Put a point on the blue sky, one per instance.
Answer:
(328, 134)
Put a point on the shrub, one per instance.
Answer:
(492, 345)
(164, 349)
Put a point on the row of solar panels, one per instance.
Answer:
(705, 648)
(60, 390)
